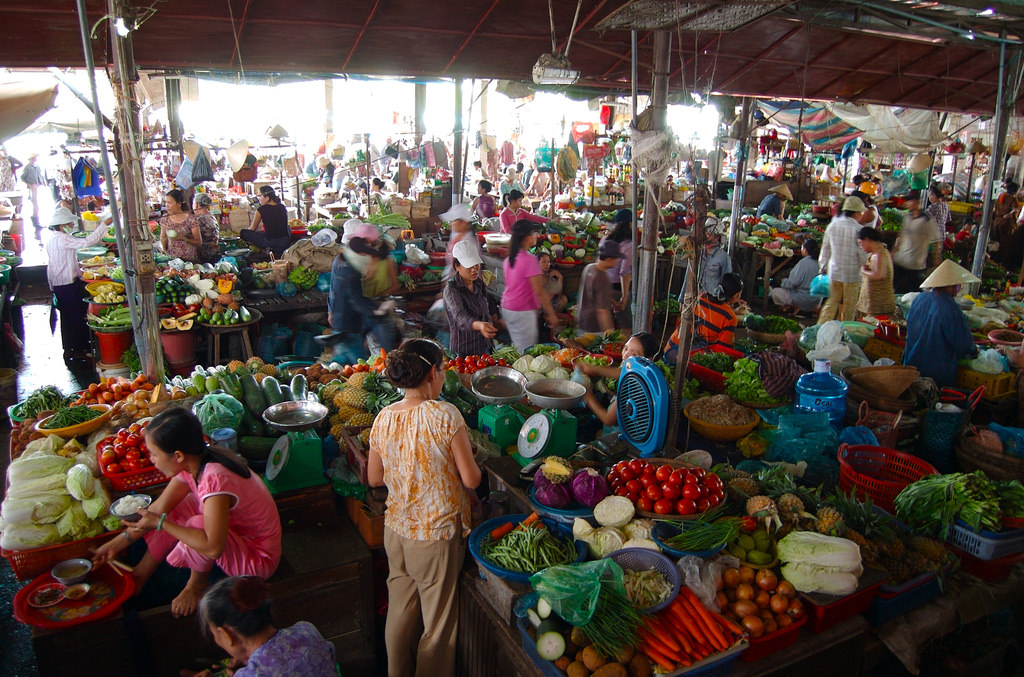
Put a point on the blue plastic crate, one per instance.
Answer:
(885, 608)
(546, 668)
(987, 545)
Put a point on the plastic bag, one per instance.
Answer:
(219, 411)
(829, 334)
(323, 283)
(858, 434)
(702, 576)
(573, 590)
(820, 286)
(988, 361)
(807, 437)
(1012, 439)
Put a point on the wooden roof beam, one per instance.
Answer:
(238, 34)
(753, 64)
(362, 32)
(843, 40)
(469, 37)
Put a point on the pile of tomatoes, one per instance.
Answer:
(666, 490)
(473, 363)
(125, 451)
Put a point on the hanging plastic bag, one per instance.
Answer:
(184, 176)
(219, 411)
(201, 169)
(572, 590)
(820, 286)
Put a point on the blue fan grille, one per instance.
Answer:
(636, 407)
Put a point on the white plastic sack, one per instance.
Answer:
(830, 334)
(989, 361)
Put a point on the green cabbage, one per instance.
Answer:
(523, 364)
(604, 541)
(88, 459)
(72, 522)
(645, 543)
(808, 547)
(582, 530)
(614, 511)
(560, 373)
(532, 376)
(50, 444)
(40, 486)
(110, 522)
(80, 482)
(99, 502)
(813, 578)
(543, 364)
(43, 509)
(39, 465)
(28, 536)
(639, 529)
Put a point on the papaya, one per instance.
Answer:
(185, 325)
(168, 323)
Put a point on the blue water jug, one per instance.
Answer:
(822, 391)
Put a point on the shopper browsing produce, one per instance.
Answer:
(180, 235)
(594, 309)
(937, 331)
(910, 257)
(714, 320)
(640, 344)
(420, 450)
(841, 260)
(470, 320)
(273, 216)
(524, 289)
(213, 511)
(62, 272)
(209, 250)
(876, 293)
(235, 613)
(362, 275)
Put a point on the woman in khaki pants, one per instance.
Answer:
(420, 450)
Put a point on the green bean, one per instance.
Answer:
(527, 550)
(71, 416)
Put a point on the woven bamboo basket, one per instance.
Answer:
(857, 394)
(972, 455)
(770, 339)
(891, 381)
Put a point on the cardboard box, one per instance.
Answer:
(403, 206)
(239, 219)
(420, 211)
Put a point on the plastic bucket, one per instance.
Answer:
(113, 344)
(8, 388)
(14, 241)
(114, 370)
(180, 350)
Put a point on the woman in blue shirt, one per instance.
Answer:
(937, 332)
(774, 203)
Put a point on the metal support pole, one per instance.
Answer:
(652, 210)
(998, 144)
(634, 177)
(739, 184)
(420, 103)
(172, 92)
(458, 178)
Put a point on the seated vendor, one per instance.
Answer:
(214, 511)
(937, 331)
(276, 235)
(794, 296)
(640, 344)
(714, 320)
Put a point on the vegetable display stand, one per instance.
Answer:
(180, 351)
(28, 564)
(824, 611)
(717, 665)
(218, 331)
(766, 645)
(993, 570)
(113, 344)
(879, 472)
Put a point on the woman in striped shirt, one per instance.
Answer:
(714, 320)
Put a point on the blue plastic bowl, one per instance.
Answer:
(477, 536)
(663, 531)
(560, 515)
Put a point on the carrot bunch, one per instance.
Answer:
(508, 527)
(685, 632)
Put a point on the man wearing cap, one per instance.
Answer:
(841, 259)
(594, 307)
(32, 175)
(937, 331)
(866, 191)
(470, 317)
(774, 203)
(714, 261)
(62, 273)
(458, 217)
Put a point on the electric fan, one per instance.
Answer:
(642, 398)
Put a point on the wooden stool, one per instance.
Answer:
(213, 345)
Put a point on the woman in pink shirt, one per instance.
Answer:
(524, 289)
(213, 511)
(515, 212)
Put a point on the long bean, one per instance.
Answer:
(528, 550)
(71, 416)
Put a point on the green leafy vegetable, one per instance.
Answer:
(744, 385)
(773, 324)
(719, 362)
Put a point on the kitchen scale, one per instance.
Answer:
(552, 431)
(296, 459)
(499, 387)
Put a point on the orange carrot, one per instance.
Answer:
(710, 633)
(691, 626)
(529, 520)
(705, 617)
(652, 626)
(657, 657)
(502, 530)
(726, 623)
(669, 625)
(659, 646)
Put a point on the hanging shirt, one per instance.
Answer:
(937, 336)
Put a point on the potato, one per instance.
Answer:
(579, 656)
(563, 663)
(625, 655)
(578, 637)
(611, 670)
(577, 669)
(592, 659)
(640, 666)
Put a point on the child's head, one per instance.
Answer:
(641, 344)
(544, 258)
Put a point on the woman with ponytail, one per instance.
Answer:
(420, 450)
(213, 511)
(235, 613)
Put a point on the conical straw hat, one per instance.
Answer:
(948, 274)
(237, 153)
(782, 190)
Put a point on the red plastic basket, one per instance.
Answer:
(30, 563)
(766, 645)
(132, 480)
(709, 378)
(824, 616)
(879, 472)
(986, 570)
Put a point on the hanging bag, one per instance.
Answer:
(201, 169)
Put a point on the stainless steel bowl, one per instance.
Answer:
(289, 416)
(498, 385)
(553, 393)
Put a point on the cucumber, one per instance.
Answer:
(298, 387)
(551, 624)
(550, 645)
(254, 399)
(272, 391)
(257, 448)
(543, 608)
(231, 385)
(531, 615)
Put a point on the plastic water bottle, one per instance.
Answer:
(821, 391)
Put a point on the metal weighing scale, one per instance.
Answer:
(296, 459)
(552, 431)
(499, 387)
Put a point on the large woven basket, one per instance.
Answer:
(857, 394)
(971, 455)
(770, 339)
(891, 381)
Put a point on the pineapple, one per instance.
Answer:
(235, 365)
(337, 420)
(894, 547)
(255, 364)
(868, 550)
(360, 420)
(745, 486)
(556, 470)
(225, 299)
(917, 563)
(897, 568)
(217, 308)
(354, 397)
(259, 376)
(269, 370)
(364, 437)
(829, 522)
(356, 379)
(790, 507)
(929, 547)
(726, 472)
(234, 305)
(208, 303)
(762, 506)
(336, 430)
(345, 412)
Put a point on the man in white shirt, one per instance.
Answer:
(841, 258)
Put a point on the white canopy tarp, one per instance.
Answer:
(22, 102)
(892, 130)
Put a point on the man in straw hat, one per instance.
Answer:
(937, 332)
(774, 203)
(841, 258)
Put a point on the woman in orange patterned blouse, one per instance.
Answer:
(420, 450)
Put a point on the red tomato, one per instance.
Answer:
(663, 473)
(620, 466)
(671, 491)
(132, 455)
(645, 504)
(691, 491)
(703, 505)
(634, 486)
(616, 484)
(134, 428)
(713, 499)
(108, 440)
(121, 435)
(613, 475)
(108, 456)
(690, 479)
(653, 492)
(142, 447)
(621, 491)
(703, 490)
(686, 506)
(677, 477)
(113, 469)
(664, 506)
(144, 423)
(131, 465)
(120, 449)
(713, 481)
(649, 470)
(636, 465)
(627, 474)
(648, 481)
(699, 472)
(144, 462)
(503, 362)
(133, 440)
